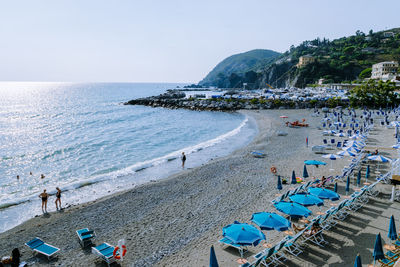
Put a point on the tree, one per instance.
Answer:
(365, 73)
(374, 94)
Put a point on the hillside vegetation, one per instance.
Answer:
(345, 59)
(239, 68)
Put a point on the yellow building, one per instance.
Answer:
(304, 60)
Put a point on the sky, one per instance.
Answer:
(164, 40)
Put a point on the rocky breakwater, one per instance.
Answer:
(176, 99)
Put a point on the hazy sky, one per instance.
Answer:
(165, 40)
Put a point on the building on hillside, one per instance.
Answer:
(304, 60)
(384, 70)
(388, 34)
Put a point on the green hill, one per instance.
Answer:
(339, 60)
(240, 65)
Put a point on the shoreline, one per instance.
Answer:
(158, 219)
(143, 172)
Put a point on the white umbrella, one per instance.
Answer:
(331, 157)
(379, 159)
(340, 134)
(346, 153)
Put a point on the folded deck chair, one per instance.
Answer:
(227, 242)
(85, 236)
(39, 246)
(105, 252)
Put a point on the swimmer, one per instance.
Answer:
(42, 176)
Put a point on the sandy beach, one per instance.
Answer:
(173, 222)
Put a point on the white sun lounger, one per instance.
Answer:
(39, 246)
(105, 252)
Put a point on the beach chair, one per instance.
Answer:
(325, 142)
(266, 259)
(292, 246)
(333, 141)
(39, 246)
(387, 261)
(85, 237)
(339, 144)
(105, 252)
(225, 242)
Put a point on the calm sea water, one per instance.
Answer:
(86, 142)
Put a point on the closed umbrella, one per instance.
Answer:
(359, 178)
(367, 173)
(378, 250)
(357, 262)
(335, 188)
(305, 172)
(294, 181)
(347, 185)
(324, 193)
(279, 186)
(306, 200)
(292, 209)
(213, 258)
(392, 229)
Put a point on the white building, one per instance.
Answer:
(384, 70)
(388, 34)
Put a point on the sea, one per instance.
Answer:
(83, 139)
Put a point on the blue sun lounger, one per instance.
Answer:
(105, 252)
(37, 245)
(85, 236)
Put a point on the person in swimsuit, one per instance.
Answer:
(183, 158)
(44, 197)
(58, 198)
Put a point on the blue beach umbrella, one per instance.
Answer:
(347, 189)
(335, 188)
(346, 153)
(305, 172)
(243, 234)
(306, 200)
(392, 229)
(324, 193)
(378, 250)
(359, 177)
(357, 262)
(279, 186)
(213, 258)
(270, 221)
(294, 181)
(314, 162)
(293, 209)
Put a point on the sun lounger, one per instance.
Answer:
(39, 246)
(85, 236)
(105, 252)
(227, 242)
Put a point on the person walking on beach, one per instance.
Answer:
(44, 196)
(183, 158)
(58, 198)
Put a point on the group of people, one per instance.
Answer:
(44, 196)
(30, 173)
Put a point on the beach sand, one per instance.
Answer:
(173, 222)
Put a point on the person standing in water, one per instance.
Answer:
(183, 158)
(44, 196)
(58, 198)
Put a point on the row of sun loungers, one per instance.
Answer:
(85, 237)
(293, 245)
